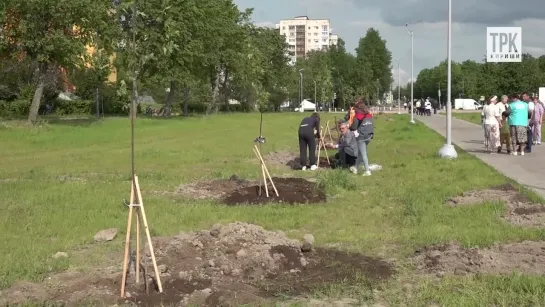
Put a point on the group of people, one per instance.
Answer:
(513, 122)
(356, 132)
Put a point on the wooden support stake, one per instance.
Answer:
(137, 260)
(146, 229)
(322, 144)
(328, 127)
(265, 180)
(258, 153)
(127, 242)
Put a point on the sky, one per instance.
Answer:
(350, 19)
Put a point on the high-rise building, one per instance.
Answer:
(304, 34)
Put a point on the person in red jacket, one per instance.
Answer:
(364, 131)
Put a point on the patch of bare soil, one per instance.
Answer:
(228, 265)
(527, 257)
(236, 191)
(290, 191)
(292, 160)
(214, 189)
(520, 210)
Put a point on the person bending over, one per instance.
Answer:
(307, 140)
(348, 148)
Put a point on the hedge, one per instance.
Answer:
(20, 108)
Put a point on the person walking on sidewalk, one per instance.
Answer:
(518, 113)
(307, 140)
(537, 119)
(505, 137)
(531, 107)
(492, 123)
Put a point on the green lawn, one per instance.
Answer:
(470, 117)
(60, 184)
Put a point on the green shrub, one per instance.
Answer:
(80, 107)
(13, 109)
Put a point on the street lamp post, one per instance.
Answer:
(412, 72)
(448, 151)
(398, 88)
(378, 92)
(301, 89)
(315, 102)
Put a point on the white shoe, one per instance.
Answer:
(313, 167)
(514, 153)
(367, 173)
(304, 168)
(522, 152)
(354, 170)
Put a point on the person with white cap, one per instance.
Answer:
(492, 123)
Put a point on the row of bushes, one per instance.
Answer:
(20, 108)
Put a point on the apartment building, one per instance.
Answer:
(304, 34)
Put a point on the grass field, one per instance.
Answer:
(61, 183)
(470, 117)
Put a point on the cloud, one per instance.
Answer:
(352, 18)
(265, 24)
(486, 12)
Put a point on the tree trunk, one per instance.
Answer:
(37, 99)
(170, 99)
(186, 100)
(212, 106)
(134, 101)
(225, 89)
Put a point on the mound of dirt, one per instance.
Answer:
(520, 210)
(290, 191)
(526, 257)
(292, 160)
(215, 189)
(228, 265)
(237, 191)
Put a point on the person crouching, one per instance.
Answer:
(348, 149)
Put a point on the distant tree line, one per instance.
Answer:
(189, 55)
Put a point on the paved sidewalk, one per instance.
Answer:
(528, 170)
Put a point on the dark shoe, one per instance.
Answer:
(509, 152)
(499, 149)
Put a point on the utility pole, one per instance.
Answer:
(448, 151)
(378, 93)
(315, 101)
(398, 88)
(412, 72)
(301, 89)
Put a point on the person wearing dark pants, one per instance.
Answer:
(307, 140)
(531, 107)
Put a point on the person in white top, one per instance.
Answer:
(492, 123)
(505, 135)
(427, 106)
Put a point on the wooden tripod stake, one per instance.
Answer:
(321, 145)
(137, 204)
(265, 173)
(328, 128)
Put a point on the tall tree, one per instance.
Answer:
(52, 34)
(374, 60)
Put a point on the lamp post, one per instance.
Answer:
(378, 92)
(448, 151)
(315, 102)
(398, 88)
(301, 89)
(412, 72)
